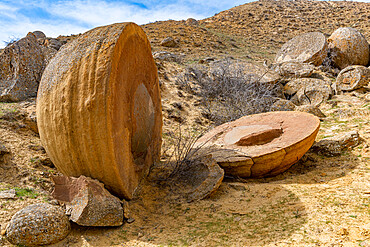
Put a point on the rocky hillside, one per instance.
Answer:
(257, 30)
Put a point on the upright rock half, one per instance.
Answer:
(99, 107)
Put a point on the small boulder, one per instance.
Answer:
(306, 48)
(333, 146)
(168, 42)
(294, 69)
(353, 77)
(39, 35)
(347, 46)
(191, 22)
(88, 202)
(8, 194)
(167, 56)
(38, 224)
(311, 91)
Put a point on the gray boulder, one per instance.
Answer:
(294, 69)
(306, 48)
(305, 91)
(168, 42)
(21, 66)
(88, 202)
(333, 146)
(38, 224)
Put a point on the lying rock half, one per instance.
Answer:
(348, 47)
(38, 224)
(306, 48)
(353, 77)
(99, 107)
(261, 145)
(88, 202)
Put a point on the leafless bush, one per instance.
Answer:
(227, 93)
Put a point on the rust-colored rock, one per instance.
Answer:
(279, 150)
(306, 48)
(348, 47)
(353, 77)
(88, 202)
(99, 107)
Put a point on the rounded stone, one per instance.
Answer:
(353, 77)
(306, 48)
(348, 46)
(39, 34)
(38, 224)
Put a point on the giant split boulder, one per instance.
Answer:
(348, 47)
(21, 67)
(261, 145)
(306, 48)
(99, 107)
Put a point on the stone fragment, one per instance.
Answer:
(88, 202)
(168, 42)
(38, 224)
(311, 91)
(167, 56)
(53, 43)
(199, 178)
(191, 22)
(99, 107)
(39, 35)
(306, 48)
(347, 46)
(294, 69)
(353, 77)
(21, 67)
(8, 194)
(281, 139)
(333, 146)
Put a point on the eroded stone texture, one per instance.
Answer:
(22, 64)
(294, 69)
(304, 91)
(353, 77)
(88, 202)
(333, 146)
(283, 105)
(99, 107)
(306, 48)
(277, 151)
(38, 224)
(348, 47)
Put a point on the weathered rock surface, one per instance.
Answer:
(283, 105)
(191, 21)
(312, 109)
(348, 47)
(38, 224)
(99, 107)
(261, 145)
(306, 48)
(198, 179)
(39, 35)
(333, 146)
(294, 69)
(167, 56)
(8, 194)
(53, 43)
(88, 202)
(169, 42)
(353, 77)
(304, 91)
(22, 64)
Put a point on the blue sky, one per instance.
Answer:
(65, 17)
